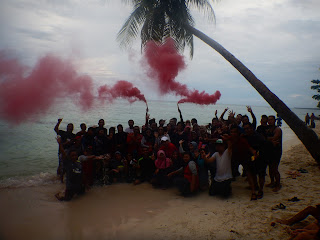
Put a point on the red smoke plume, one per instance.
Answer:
(201, 98)
(122, 89)
(165, 63)
(22, 96)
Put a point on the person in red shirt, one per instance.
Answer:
(243, 153)
(134, 142)
(168, 147)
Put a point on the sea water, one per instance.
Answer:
(28, 151)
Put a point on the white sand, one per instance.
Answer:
(124, 211)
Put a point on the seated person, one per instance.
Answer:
(116, 168)
(189, 182)
(221, 183)
(163, 165)
(144, 167)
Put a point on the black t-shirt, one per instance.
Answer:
(73, 174)
(65, 136)
(147, 167)
(98, 129)
(263, 130)
(121, 138)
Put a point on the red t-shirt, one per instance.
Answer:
(169, 149)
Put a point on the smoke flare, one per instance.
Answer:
(23, 96)
(122, 89)
(164, 65)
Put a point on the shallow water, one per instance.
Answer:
(29, 150)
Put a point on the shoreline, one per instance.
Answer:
(124, 211)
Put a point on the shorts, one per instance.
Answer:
(223, 189)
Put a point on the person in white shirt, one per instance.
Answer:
(221, 183)
(130, 128)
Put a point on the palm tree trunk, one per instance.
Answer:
(307, 136)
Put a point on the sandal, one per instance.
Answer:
(280, 206)
(253, 196)
(302, 170)
(294, 199)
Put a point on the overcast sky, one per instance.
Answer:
(278, 40)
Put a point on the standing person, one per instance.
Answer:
(162, 122)
(158, 135)
(221, 183)
(307, 119)
(279, 121)
(83, 131)
(130, 128)
(100, 143)
(258, 165)
(101, 124)
(312, 118)
(263, 128)
(148, 140)
(242, 153)
(66, 141)
(134, 142)
(245, 118)
(73, 167)
(121, 140)
(275, 137)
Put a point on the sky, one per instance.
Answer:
(278, 40)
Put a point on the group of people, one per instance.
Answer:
(178, 153)
(309, 120)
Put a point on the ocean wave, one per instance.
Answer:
(40, 179)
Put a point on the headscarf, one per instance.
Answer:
(162, 162)
(195, 145)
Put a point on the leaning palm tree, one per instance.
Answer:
(157, 20)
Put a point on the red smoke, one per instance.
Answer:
(201, 98)
(164, 65)
(22, 96)
(122, 89)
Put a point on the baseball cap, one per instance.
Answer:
(219, 141)
(164, 138)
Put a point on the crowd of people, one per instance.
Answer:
(180, 153)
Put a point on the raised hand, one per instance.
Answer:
(249, 109)
(232, 114)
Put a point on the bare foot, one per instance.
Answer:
(277, 188)
(270, 185)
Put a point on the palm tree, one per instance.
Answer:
(157, 20)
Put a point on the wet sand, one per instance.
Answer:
(124, 211)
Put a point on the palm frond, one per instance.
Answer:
(205, 6)
(131, 27)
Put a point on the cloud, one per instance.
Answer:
(277, 40)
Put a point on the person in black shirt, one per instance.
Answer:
(263, 128)
(67, 138)
(121, 140)
(101, 127)
(73, 168)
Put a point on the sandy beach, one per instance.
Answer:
(123, 211)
